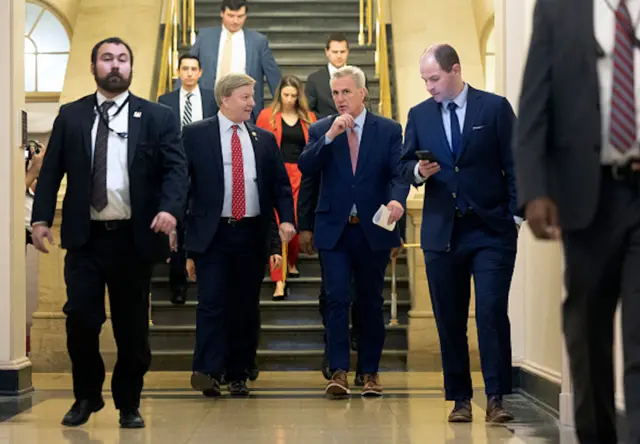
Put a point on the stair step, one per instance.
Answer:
(307, 267)
(272, 337)
(257, 20)
(282, 313)
(275, 360)
(262, 6)
(279, 34)
(301, 289)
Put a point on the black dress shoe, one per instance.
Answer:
(254, 372)
(238, 388)
(206, 384)
(179, 297)
(131, 419)
(359, 380)
(81, 411)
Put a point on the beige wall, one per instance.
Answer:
(135, 21)
(418, 24)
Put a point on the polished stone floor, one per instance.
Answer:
(284, 408)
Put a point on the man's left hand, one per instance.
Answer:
(163, 222)
(287, 232)
(396, 209)
(395, 252)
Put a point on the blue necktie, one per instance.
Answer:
(456, 141)
(456, 136)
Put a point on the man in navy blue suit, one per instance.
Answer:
(469, 225)
(190, 104)
(230, 48)
(357, 155)
(237, 180)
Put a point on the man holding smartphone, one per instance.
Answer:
(466, 229)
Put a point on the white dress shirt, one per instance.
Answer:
(332, 70)
(252, 197)
(362, 117)
(605, 24)
(196, 104)
(239, 51)
(118, 198)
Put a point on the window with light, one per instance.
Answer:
(46, 50)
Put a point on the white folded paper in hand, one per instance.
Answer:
(381, 218)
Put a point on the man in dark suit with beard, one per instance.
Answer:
(236, 184)
(126, 186)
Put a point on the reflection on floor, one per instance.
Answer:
(284, 408)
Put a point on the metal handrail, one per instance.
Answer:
(381, 49)
(164, 78)
(393, 321)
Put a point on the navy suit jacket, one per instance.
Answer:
(172, 100)
(483, 173)
(201, 141)
(378, 180)
(260, 61)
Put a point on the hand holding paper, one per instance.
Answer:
(386, 217)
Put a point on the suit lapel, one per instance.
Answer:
(249, 53)
(216, 144)
(326, 88)
(443, 150)
(474, 108)
(259, 155)
(88, 119)
(175, 104)
(369, 133)
(135, 122)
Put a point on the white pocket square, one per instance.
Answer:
(479, 127)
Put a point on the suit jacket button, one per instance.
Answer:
(454, 195)
(457, 169)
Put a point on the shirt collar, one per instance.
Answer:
(225, 31)
(118, 100)
(361, 117)
(195, 92)
(331, 68)
(226, 124)
(460, 100)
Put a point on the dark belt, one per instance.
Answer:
(622, 173)
(354, 219)
(239, 222)
(110, 225)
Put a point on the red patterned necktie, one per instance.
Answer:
(238, 198)
(622, 131)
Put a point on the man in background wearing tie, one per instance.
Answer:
(189, 103)
(126, 186)
(236, 183)
(231, 49)
(357, 155)
(578, 170)
(469, 224)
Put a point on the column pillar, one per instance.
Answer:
(15, 367)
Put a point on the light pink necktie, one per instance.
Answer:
(354, 147)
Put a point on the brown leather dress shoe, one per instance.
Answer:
(496, 413)
(338, 386)
(461, 412)
(372, 386)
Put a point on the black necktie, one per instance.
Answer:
(99, 177)
(455, 130)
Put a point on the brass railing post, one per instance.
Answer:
(394, 294)
(370, 21)
(184, 22)
(192, 20)
(361, 33)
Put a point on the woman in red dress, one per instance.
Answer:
(288, 119)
